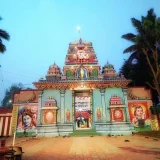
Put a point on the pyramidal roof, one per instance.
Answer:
(81, 52)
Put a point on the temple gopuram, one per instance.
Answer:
(81, 96)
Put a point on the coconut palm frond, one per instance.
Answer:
(129, 36)
(4, 34)
(137, 24)
(131, 49)
(151, 15)
(2, 47)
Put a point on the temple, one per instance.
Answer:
(81, 96)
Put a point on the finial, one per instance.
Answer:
(79, 29)
(41, 78)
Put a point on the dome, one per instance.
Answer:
(109, 66)
(54, 66)
(50, 102)
(109, 70)
(115, 99)
(53, 72)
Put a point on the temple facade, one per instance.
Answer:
(81, 96)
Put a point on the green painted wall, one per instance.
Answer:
(97, 99)
(112, 91)
(68, 103)
(96, 102)
(56, 95)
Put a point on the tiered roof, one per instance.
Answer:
(81, 64)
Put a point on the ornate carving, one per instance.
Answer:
(124, 89)
(49, 116)
(89, 83)
(117, 114)
(62, 91)
(68, 115)
(99, 114)
(102, 90)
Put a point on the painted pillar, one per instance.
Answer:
(62, 105)
(126, 104)
(91, 119)
(102, 90)
(73, 108)
(14, 118)
(39, 106)
(108, 114)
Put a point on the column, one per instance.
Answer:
(39, 106)
(102, 90)
(91, 107)
(126, 104)
(62, 105)
(14, 118)
(73, 107)
(108, 114)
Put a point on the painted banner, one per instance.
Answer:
(27, 117)
(139, 114)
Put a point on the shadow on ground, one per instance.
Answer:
(143, 151)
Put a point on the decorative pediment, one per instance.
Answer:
(50, 102)
(116, 100)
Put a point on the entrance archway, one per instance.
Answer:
(83, 110)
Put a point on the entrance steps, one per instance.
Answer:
(50, 130)
(84, 132)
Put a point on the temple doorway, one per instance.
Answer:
(82, 110)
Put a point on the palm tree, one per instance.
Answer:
(147, 43)
(137, 72)
(3, 35)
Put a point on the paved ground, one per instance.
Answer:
(90, 148)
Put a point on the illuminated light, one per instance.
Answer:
(78, 28)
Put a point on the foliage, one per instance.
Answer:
(3, 35)
(146, 46)
(139, 73)
(7, 101)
